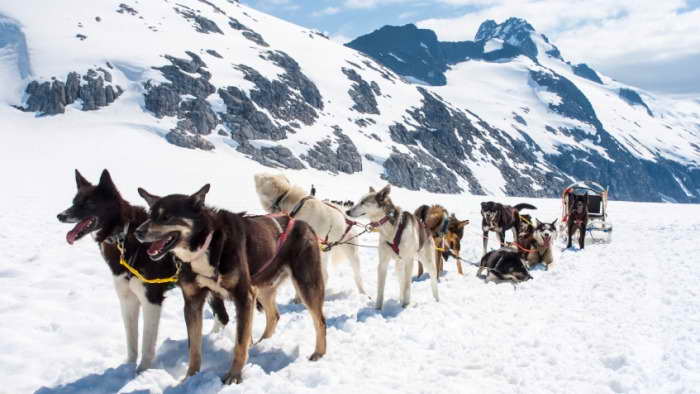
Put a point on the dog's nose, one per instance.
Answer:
(347, 212)
(61, 217)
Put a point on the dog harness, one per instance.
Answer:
(280, 243)
(394, 245)
(119, 241)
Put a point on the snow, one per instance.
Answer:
(396, 57)
(611, 318)
(493, 44)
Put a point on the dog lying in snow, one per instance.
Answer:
(277, 194)
(503, 264)
(101, 211)
(401, 237)
(237, 257)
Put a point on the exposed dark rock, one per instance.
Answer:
(293, 97)
(185, 140)
(271, 156)
(361, 93)
(400, 134)
(199, 118)
(582, 70)
(223, 132)
(419, 171)
(247, 32)
(519, 119)
(633, 98)
(183, 83)
(410, 51)
(162, 100)
(574, 103)
(213, 6)
(81, 37)
(214, 53)
(244, 120)
(125, 9)
(345, 158)
(51, 98)
(200, 23)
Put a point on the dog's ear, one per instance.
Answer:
(150, 198)
(80, 180)
(197, 199)
(371, 189)
(555, 220)
(484, 205)
(106, 183)
(381, 196)
(463, 223)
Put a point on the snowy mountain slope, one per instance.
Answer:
(582, 122)
(221, 76)
(612, 318)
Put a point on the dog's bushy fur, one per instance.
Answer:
(328, 221)
(111, 215)
(237, 257)
(543, 238)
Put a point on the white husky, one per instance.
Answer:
(277, 194)
(401, 238)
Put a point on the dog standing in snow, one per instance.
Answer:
(237, 257)
(101, 211)
(277, 194)
(401, 237)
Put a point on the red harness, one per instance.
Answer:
(280, 243)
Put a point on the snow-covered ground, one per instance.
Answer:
(623, 317)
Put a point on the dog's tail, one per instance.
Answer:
(524, 206)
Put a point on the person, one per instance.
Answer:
(313, 190)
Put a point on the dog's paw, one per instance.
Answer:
(315, 357)
(235, 378)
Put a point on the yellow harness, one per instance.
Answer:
(136, 273)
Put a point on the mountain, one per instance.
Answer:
(569, 116)
(220, 78)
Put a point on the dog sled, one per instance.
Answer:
(599, 229)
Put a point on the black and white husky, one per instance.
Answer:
(100, 210)
(401, 237)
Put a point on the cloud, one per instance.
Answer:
(326, 11)
(597, 31)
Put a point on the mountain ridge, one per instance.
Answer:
(220, 76)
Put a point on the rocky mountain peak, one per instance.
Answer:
(514, 31)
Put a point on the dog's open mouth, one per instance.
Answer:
(83, 227)
(160, 248)
(547, 240)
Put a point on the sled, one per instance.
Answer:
(599, 228)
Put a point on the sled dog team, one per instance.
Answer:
(215, 255)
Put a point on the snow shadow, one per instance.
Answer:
(391, 309)
(109, 381)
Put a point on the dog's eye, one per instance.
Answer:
(164, 218)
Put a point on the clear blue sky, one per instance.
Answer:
(653, 44)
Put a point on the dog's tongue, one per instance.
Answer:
(547, 240)
(157, 246)
(73, 234)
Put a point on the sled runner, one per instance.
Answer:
(598, 228)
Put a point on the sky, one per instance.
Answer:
(652, 44)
